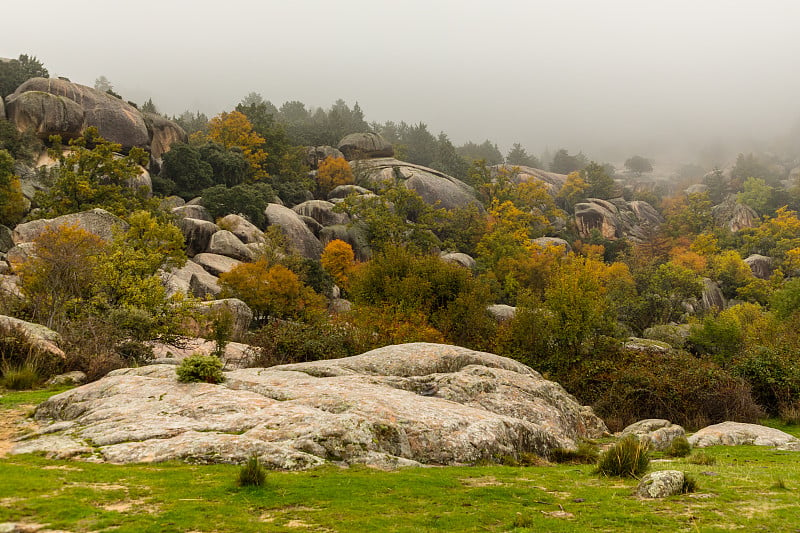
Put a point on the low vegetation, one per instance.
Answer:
(629, 457)
(200, 369)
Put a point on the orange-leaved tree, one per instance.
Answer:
(332, 172)
(271, 291)
(338, 260)
(234, 130)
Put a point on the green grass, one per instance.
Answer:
(78, 496)
(10, 399)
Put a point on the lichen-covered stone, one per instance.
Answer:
(398, 405)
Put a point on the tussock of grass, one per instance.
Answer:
(630, 457)
(586, 453)
(252, 473)
(679, 447)
(702, 458)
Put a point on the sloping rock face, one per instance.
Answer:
(41, 337)
(521, 174)
(760, 265)
(97, 221)
(435, 188)
(162, 134)
(46, 114)
(398, 405)
(616, 218)
(733, 215)
(294, 229)
(322, 212)
(739, 433)
(116, 120)
(365, 145)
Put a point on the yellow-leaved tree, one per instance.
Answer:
(332, 172)
(338, 260)
(234, 130)
(12, 203)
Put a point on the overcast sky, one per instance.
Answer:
(591, 75)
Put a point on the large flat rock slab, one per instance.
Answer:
(399, 405)
(740, 434)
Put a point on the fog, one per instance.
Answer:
(611, 78)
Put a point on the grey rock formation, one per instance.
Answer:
(192, 279)
(343, 191)
(738, 434)
(660, 484)
(162, 134)
(318, 154)
(226, 243)
(312, 224)
(76, 377)
(398, 405)
(46, 114)
(365, 146)
(235, 356)
(5, 266)
(616, 218)
(712, 295)
(296, 231)
(215, 264)
(322, 212)
(544, 242)
(697, 188)
(658, 432)
(760, 265)
(521, 174)
(339, 305)
(246, 231)
(197, 234)
(502, 312)
(20, 253)
(352, 235)
(193, 211)
(733, 215)
(116, 120)
(435, 188)
(41, 337)
(457, 258)
(96, 221)
(171, 202)
(6, 242)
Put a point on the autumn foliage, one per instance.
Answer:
(233, 130)
(332, 172)
(338, 260)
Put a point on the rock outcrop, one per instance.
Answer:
(365, 146)
(733, 215)
(40, 337)
(760, 265)
(521, 174)
(318, 154)
(616, 218)
(295, 230)
(226, 243)
(658, 432)
(322, 212)
(197, 234)
(435, 188)
(96, 221)
(398, 405)
(739, 433)
(116, 120)
(53, 106)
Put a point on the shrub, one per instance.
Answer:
(689, 484)
(248, 200)
(585, 454)
(135, 353)
(282, 342)
(21, 361)
(200, 369)
(252, 473)
(629, 457)
(333, 171)
(679, 447)
(624, 386)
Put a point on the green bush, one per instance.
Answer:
(200, 369)
(625, 386)
(252, 473)
(679, 447)
(248, 200)
(282, 342)
(629, 457)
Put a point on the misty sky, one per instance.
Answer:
(591, 75)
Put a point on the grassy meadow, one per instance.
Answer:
(743, 488)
